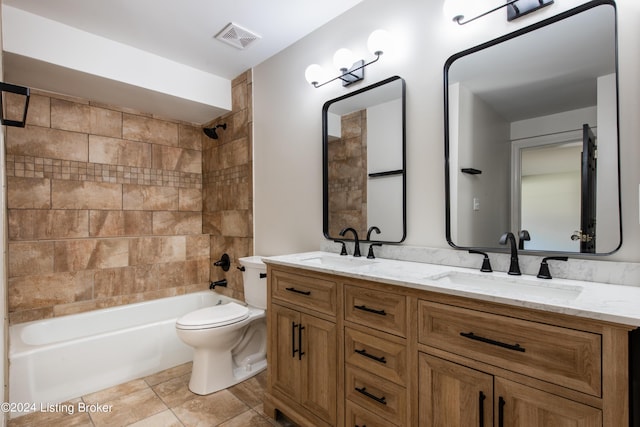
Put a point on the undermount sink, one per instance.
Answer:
(512, 286)
(334, 261)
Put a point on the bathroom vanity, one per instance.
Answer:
(357, 342)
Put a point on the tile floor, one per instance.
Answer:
(160, 400)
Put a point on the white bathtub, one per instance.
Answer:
(53, 360)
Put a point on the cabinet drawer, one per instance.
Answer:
(562, 356)
(380, 397)
(379, 310)
(304, 291)
(357, 416)
(376, 354)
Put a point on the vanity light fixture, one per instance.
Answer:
(351, 70)
(458, 9)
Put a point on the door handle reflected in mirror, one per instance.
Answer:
(579, 235)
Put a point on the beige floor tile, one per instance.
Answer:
(210, 410)
(115, 392)
(251, 391)
(175, 391)
(248, 418)
(163, 419)
(168, 374)
(129, 409)
(62, 415)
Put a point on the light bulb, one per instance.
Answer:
(343, 59)
(313, 73)
(379, 42)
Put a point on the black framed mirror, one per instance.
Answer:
(531, 137)
(364, 170)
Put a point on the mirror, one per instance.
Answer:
(531, 137)
(363, 139)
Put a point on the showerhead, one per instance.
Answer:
(211, 132)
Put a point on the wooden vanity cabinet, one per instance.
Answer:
(483, 364)
(376, 355)
(303, 353)
(381, 355)
(453, 395)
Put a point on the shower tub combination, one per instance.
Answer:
(54, 360)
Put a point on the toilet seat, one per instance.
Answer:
(213, 317)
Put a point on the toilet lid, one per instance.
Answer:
(213, 317)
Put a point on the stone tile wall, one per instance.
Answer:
(228, 187)
(104, 208)
(348, 175)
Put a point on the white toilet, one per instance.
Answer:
(229, 339)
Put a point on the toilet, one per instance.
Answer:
(229, 339)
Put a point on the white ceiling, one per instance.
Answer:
(184, 30)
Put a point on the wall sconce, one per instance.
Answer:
(351, 70)
(18, 90)
(459, 9)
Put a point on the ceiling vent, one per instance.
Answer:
(237, 36)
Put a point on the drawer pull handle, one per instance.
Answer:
(472, 336)
(481, 408)
(298, 291)
(501, 404)
(294, 350)
(364, 353)
(300, 352)
(364, 391)
(370, 310)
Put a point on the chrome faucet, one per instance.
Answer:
(514, 267)
(356, 250)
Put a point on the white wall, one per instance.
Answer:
(287, 117)
(483, 144)
(384, 153)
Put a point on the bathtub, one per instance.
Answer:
(54, 360)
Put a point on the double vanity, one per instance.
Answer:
(381, 342)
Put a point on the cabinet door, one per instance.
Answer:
(453, 395)
(522, 406)
(284, 364)
(318, 368)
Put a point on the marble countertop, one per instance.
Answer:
(599, 301)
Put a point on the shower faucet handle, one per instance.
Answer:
(224, 262)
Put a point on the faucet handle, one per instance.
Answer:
(544, 272)
(343, 250)
(371, 255)
(486, 263)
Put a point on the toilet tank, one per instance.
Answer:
(254, 279)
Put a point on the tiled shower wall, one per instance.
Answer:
(228, 187)
(105, 208)
(348, 189)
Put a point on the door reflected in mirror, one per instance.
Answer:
(531, 137)
(364, 162)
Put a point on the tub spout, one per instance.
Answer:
(222, 282)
